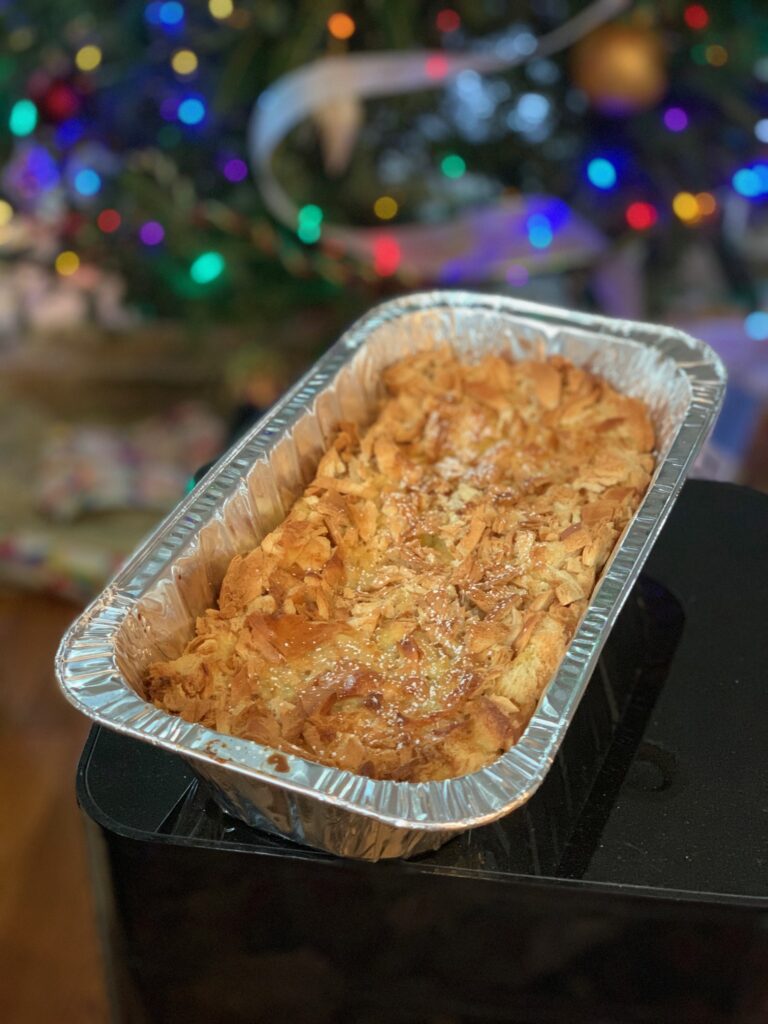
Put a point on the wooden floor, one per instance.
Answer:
(49, 951)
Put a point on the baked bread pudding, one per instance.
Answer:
(405, 617)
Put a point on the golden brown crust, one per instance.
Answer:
(404, 619)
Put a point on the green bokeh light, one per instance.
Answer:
(207, 267)
(310, 223)
(310, 215)
(308, 233)
(23, 117)
(453, 166)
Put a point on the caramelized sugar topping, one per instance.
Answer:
(404, 619)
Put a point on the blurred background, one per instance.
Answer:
(164, 275)
(149, 297)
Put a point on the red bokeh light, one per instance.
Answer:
(60, 102)
(436, 66)
(109, 221)
(696, 17)
(386, 255)
(448, 20)
(641, 216)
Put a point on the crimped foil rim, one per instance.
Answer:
(87, 669)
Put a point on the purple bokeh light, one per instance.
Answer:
(676, 119)
(30, 172)
(235, 169)
(151, 232)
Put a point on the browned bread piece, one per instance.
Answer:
(404, 619)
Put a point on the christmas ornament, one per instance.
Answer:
(620, 68)
(338, 123)
(494, 242)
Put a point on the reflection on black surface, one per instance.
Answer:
(642, 651)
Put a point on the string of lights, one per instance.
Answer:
(70, 160)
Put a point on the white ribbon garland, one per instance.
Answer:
(483, 244)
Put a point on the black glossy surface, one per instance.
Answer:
(699, 785)
(633, 886)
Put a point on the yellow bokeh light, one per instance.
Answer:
(686, 207)
(716, 55)
(340, 25)
(385, 207)
(6, 212)
(21, 38)
(707, 203)
(67, 263)
(184, 62)
(88, 58)
(220, 8)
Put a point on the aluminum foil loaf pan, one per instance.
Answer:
(147, 612)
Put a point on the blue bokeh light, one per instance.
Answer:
(751, 181)
(525, 43)
(69, 132)
(556, 211)
(533, 108)
(602, 173)
(87, 181)
(191, 110)
(41, 168)
(171, 13)
(756, 326)
(152, 12)
(540, 232)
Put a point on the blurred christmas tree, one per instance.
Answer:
(126, 135)
(625, 168)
